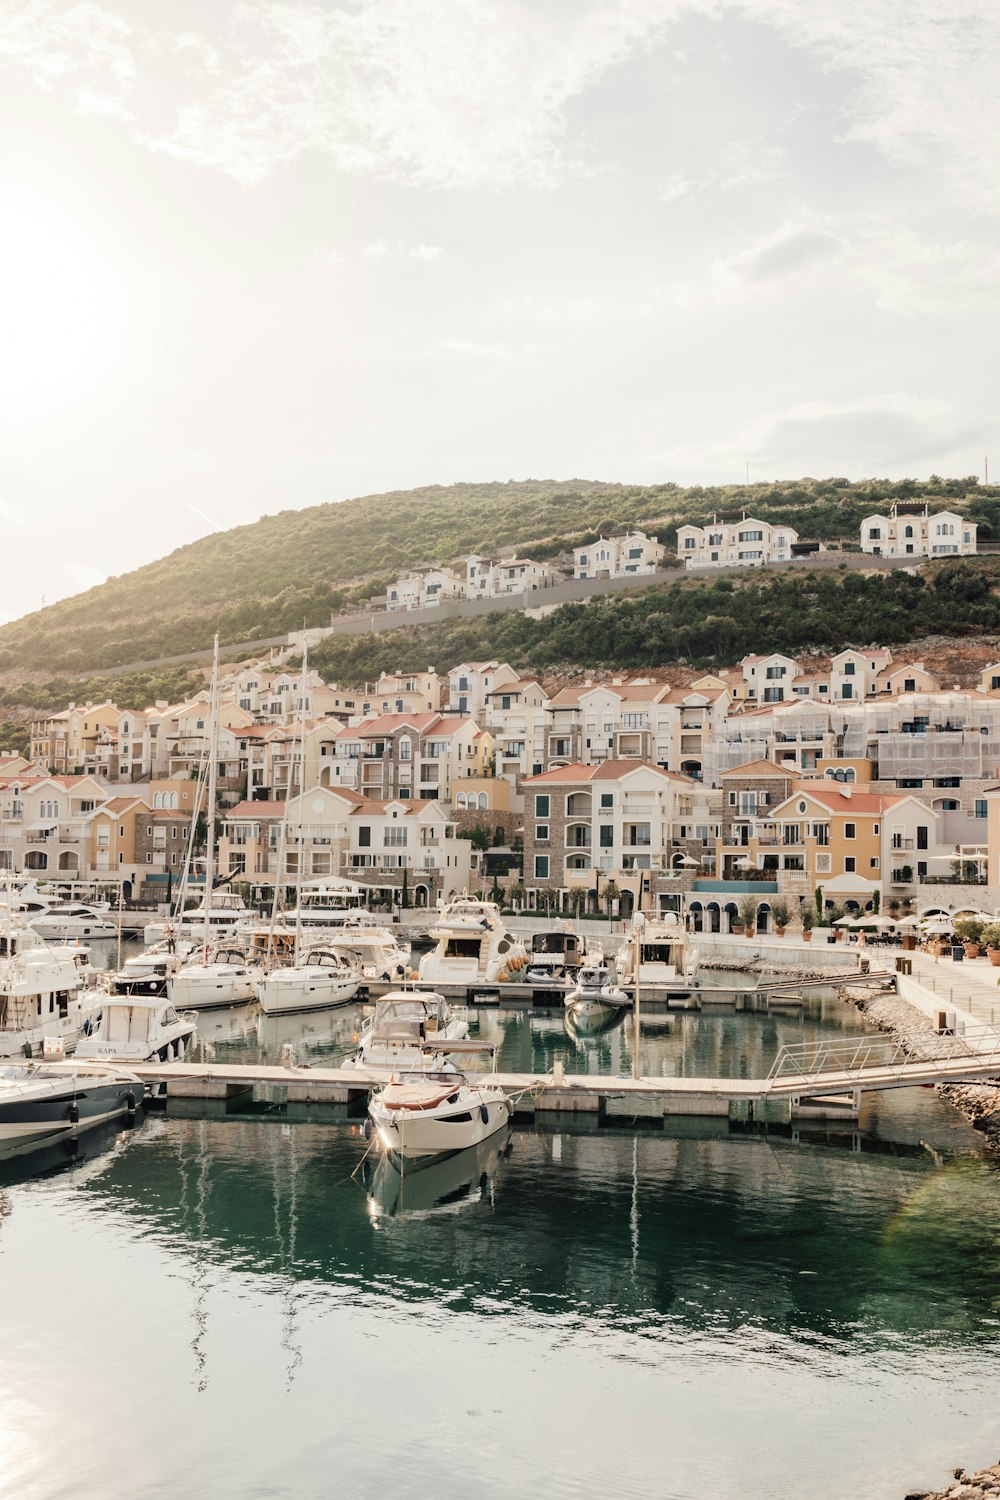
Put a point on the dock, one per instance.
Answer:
(810, 1079)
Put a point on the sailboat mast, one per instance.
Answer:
(302, 792)
(213, 776)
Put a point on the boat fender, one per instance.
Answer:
(130, 1102)
(484, 1114)
(509, 1103)
(26, 1049)
(354, 1037)
(74, 1113)
(366, 1130)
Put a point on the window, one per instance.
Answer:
(542, 805)
(751, 536)
(541, 867)
(980, 811)
(607, 799)
(607, 835)
(922, 842)
(850, 864)
(850, 830)
(394, 838)
(405, 749)
(848, 669)
(847, 690)
(364, 837)
(541, 832)
(875, 862)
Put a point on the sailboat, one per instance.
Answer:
(321, 978)
(220, 979)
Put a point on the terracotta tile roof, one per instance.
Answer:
(119, 805)
(374, 807)
(761, 768)
(256, 810)
(608, 770)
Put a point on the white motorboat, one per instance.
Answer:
(419, 1120)
(41, 992)
(373, 952)
(319, 981)
(225, 979)
(209, 925)
(405, 1029)
(328, 905)
(472, 946)
(147, 973)
(596, 993)
(69, 921)
(557, 955)
(42, 1100)
(666, 957)
(136, 1029)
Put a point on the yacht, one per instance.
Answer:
(472, 946)
(42, 1100)
(225, 979)
(556, 956)
(331, 904)
(62, 921)
(596, 994)
(403, 1031)
(373, 951)
(135, 1029)
(223, 919)
(41, 992)
(417, 1121)
(322, 979)
(148, 973)
(666, 958)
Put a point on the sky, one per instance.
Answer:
(258, 256)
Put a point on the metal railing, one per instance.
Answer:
(811, 1062)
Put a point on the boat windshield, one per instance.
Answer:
(549, 942)
(456, 947)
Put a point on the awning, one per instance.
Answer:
(41, 827)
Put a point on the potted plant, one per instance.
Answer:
(780, 915)
(748, 915)
(807, 924)
(990, 937)
(835, 916)
(970, 931)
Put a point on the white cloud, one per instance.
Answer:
(426, 252)
(377, 250)
(878, 434)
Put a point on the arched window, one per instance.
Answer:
(173, 799)
(460, 800)
(157, 799)
(484, 800)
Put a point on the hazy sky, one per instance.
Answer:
(257, 256)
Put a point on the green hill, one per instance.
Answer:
(298, 566)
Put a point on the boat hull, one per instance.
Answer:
(280, 994)
(210, 991)
(416, 1137)
(24, 1119)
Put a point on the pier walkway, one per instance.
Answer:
(802, 1075)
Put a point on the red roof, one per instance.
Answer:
(256, 810)
(608, 770)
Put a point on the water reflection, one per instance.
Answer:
(444, 1187)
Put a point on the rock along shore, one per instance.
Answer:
(965, 1487)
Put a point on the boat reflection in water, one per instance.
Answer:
(444, 1187)
(583, 1024)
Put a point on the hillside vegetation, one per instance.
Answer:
(294, 568)
(697, 624)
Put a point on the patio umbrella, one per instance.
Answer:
(908, 922)
(845, 922)
(688, 861)
(938, 927)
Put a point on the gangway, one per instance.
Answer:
(882, 1062)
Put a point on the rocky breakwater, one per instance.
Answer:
(965, 1487)
(978, 1102)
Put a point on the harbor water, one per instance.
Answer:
(244, 1304)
